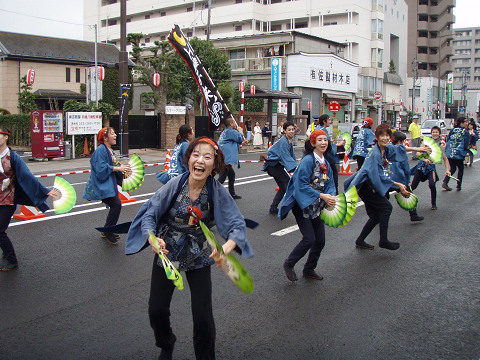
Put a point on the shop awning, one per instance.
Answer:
(337, 95)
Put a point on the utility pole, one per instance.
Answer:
(123, 77)
(415, 77)
(209, 4)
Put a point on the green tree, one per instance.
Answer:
(183, 87)
(250, 104)
(392, 69)
(148, 61)
(26, 100)
(111, 88)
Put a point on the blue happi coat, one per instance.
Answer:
(177, 165)
(365, 140)
(102, 182)
(457, 143)
(230, 141)
(281, 151)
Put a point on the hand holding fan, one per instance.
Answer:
(348, 140)
(436, 155)
(134, 179)
(351, 197)
(68, 196)
(407, 203)
(335, 215)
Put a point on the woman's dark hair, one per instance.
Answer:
(309, 147)
(436, 128)
(398, 137)
(322, 119)
(286, 124)
(460, 120)
(5, 130)
(183, 133)
(219, 162)
(383, 129)
(472, 122)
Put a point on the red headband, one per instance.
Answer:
(101, 135)
(4, 133)
(315, 134)
(209, 141)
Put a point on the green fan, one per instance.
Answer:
(135, 179)
(170, 270)
(352, 200)
(473, 151)
(231, 266)
(348, 140)
(408, 203)
(334, 216)
(436, 155)
(68, 196)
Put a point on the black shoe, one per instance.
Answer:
(446, 187)
(273, 210)
(434, 207)
(167, 353)
(116, 236)
(389, 245)
(312, 275)
(110, 238)
(235, 196)
(459, 188)
(290, 272)
(364, 245)
(9, 266)
(416, 218)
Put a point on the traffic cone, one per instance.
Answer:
(406, 143)
(86, 152)
(28, 213)
(167, 161)
(345, 166)
(269, 144)
(444, 141)
(125, 196)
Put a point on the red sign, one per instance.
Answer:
(241, 86)
(156, 79)
(309, 105)
(393, 101)
(101, 73)
(377, 95)
(30, 76)
(252, 89)
(334, 106)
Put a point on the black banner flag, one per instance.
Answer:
(217, 109)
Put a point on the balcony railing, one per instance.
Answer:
(253, 64)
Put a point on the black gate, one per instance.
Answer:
(143, 131)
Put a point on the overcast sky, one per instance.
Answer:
(64, 18)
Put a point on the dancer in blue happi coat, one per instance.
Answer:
(364, 142)
(472, 145)
(457, 146)
(373, 182)
(309, 190)
(177, 164)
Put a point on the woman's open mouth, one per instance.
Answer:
(198, 170)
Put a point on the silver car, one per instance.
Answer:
(427, 126)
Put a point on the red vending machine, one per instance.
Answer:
(47, 133)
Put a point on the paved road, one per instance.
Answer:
(77, 297)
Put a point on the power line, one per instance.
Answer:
(42, 18)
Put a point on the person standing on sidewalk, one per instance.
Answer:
(229, 141)
(266, 135)
(19, 186)
(456, 149)
(248, 127)
(106, 174)
(280, 161)
(415, 132)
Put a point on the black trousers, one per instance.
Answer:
(378, 209)
(161, 291)
(313, 240)
(230, 173)
(115, 206)
(420, 177)
(360, 161)
(454, 164)
(6, 212)
(282, 178)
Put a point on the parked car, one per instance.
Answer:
(427, 125)
(352, 128)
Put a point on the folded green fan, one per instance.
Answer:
(348, 140)
(170, 270)
(135, 179)
(436, 155)
(334, 216)
(231, 266)
(352, 200)
(473, 151)
(408, 203)
(68, 196)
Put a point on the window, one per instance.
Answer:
(417, 92)
(238, 27)
(163, 13)
(276, 27)
(380, 58)
(189, 34)
(301, 25)
(147, 16)
(329, 23)
(67, 74)
(377, 29)
(147, 40)
(77, 75)
(238, 1)
(237, 59)
(112, 22)
(129, 20)
(275, 1)
(190, 9)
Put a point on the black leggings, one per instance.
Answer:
(282, 178)
(230, 173)
(115, 206)
(161, 291)
(454, 164)
(419, 176)
(6, 212)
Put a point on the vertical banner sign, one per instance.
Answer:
(216, 107)
(276, 74)
(449, 89)
(124, 90)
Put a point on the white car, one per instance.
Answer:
(427, 125)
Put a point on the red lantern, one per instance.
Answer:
(309, 105)
(241, 86)
(156, 79)
(30, 76)
(252, 89)
(101, 73)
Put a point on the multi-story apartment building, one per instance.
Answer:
(466, 69)
(430, 48)
(373, 32)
